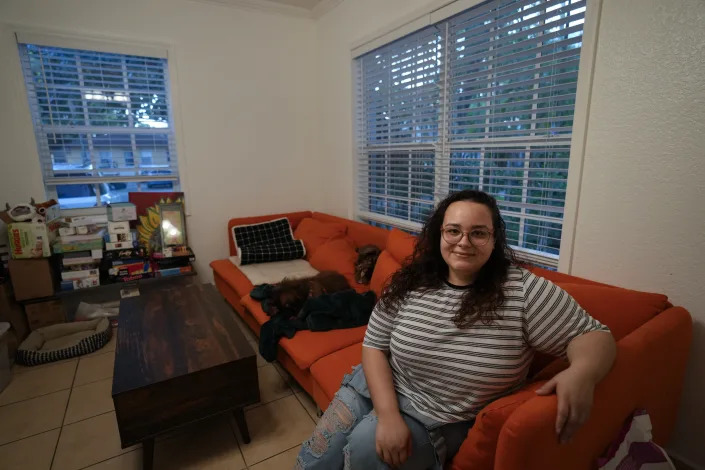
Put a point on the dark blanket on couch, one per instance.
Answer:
(345, 309)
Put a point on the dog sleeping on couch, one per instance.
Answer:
(289, 295)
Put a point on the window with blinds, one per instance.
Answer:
(102, 122)
(483, 100)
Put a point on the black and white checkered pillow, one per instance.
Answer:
(266, 232)
(268, 252)
(267, 242)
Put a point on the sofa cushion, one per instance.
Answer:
(385, 267)
(338, 255)
(235, 278)
(328, 371)
(400, 245)
(359, 232)
(478, 450)
(315, 233)
(306, 347)
(557, 277)
(622, 310)
(255, 308)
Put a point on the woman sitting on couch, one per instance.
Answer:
(454, 330)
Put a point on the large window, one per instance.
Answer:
(483, 100)
(103, 123)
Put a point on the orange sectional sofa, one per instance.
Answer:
(515, 432)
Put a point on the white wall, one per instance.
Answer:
(243, 105)
(337, 31)
(640, 217)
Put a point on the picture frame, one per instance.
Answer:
(172, 225)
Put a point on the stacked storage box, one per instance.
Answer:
(81, 246)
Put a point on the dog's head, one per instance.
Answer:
(364, 266)
(288, 297)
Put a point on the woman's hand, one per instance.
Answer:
(574, 390)
(393, 439)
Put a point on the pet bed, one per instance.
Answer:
(63, 341)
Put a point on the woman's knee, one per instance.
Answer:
(329, 437)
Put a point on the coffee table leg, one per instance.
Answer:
(147, 454)
(242, 424)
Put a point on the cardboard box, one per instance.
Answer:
(122, 211)
(119, 227)
(52, 212)
(45, 313)
(5, 374)
(31, 278)
(28, 240)
(12, 312)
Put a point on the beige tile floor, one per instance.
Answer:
(60, 416)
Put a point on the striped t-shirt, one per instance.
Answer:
(451, 373)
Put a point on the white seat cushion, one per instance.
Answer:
(274, 272)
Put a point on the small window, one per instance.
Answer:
(93, 113)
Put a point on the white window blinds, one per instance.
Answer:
(100, 117)
(483, 100)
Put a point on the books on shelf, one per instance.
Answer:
(126, 253)
(174, 271)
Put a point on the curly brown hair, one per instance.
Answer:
(426, 269)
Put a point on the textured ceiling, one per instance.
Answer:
(306, 8)
(308, 4)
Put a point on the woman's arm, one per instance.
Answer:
(378, 374)
(393, 438)
(591, 356)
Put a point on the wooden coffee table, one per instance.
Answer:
(180, 357)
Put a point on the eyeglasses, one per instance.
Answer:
(477, 237)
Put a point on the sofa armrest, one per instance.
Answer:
(648, 373)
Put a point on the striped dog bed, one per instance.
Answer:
(63, 341)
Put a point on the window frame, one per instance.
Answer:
(126, 47)
(434, 14)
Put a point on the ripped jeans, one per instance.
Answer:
(345, 435)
